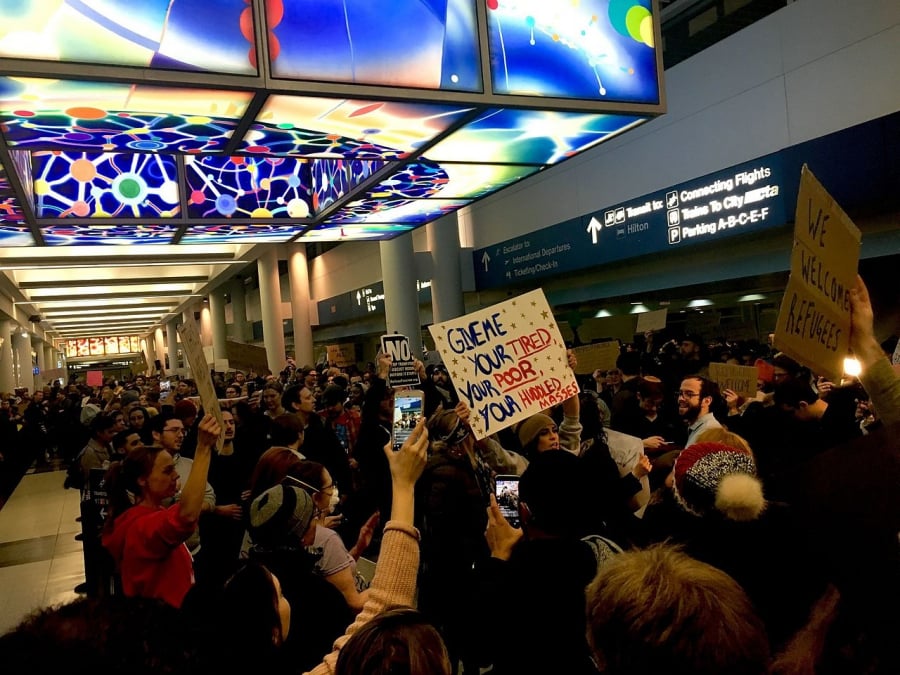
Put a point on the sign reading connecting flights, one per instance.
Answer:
(507, 361)
(744, 198)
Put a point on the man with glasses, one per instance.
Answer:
(168, 432)
(695, 398)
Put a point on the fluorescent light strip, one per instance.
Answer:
(126, 318)
(111, 310)
(81, 301)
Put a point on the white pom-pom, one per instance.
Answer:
(740, 497)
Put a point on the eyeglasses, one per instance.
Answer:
(687, 394)
(181, 431)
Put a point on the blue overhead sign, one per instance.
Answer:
(363, 301)
(746, 198)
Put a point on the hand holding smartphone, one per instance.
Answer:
(507, 493)
(409, 406)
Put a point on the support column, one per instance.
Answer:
(38, 348)
(446, 283)
(240, 330)
(160, 349)
(22, 346)
(172, 344)
(270, 307)
(7, 364)
(401, 302)
(205, 327)
(217, 323)
(298, 272)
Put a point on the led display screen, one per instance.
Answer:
(396, 211)
(232, 233)
(108, 117)
(425, 179)
(332, 128)
(133, 185)
(430, 44)
(350, 232)
(12, 235)
(515, 136)
(590, 49)
(104, 235)
(195, 35)
(258, 187)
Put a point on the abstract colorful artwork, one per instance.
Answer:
(512, 136)
(471, 181)
(399, 211)
(10, 211)
(195, 35)
(12, 235)
(349, 129)
(428, 44)
(134, 185)
(585, 49)
(107, 117)
(107, 235)
(230, 233)
(355, 233)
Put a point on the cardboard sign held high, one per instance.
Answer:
(403, 368)
(507, 361)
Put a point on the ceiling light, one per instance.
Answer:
(701, 302)
(751, 297)
(639, 309)
(603, 313)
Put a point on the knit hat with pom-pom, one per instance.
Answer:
(713, 477)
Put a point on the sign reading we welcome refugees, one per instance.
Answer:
(507, 361)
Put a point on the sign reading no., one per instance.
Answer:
(403, 368)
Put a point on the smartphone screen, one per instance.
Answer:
(507, 493)
(408, 407)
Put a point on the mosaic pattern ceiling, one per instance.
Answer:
(160, 123)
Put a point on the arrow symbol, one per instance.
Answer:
(594, 229)
(358, 298)
(485, 259)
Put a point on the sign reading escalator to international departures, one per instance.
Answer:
(747, 197)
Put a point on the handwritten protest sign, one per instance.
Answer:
(94, 378)
(740, 379)
(655, 320)
(403, 368)
(599, 356)
(193, 352)
(507, 361)
(813, 324)
(343, 355)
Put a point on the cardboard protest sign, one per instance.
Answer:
(403, 368)
(193, 352)
(343, 355)
(813, 326)
(94, 378)
(246, 357)
(507, 361)
(599, 356)
(740, 379)
(655, 320)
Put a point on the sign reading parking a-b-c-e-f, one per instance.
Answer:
(744, 198)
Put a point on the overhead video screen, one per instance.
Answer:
(429, 44)
(590, 49)
(194, 35)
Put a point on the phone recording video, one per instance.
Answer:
(507, 493)
(408, 409)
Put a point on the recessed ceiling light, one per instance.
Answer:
(751, 297)
(603, 313)
(701, 302)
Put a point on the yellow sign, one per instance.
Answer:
(740, 379)
(813, 324)
(342, 356)
(599, 356)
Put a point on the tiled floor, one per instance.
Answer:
(40, 561)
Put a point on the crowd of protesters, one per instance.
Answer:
(665, 525)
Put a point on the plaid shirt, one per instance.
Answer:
(345, 426)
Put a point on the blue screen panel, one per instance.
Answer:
(350, 232)
(591, 49)
(108, 235)
(240, 234)
(86, 185)
(13, 235)
(398, 211)
(429, 44)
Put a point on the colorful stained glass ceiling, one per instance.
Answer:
(270, 121)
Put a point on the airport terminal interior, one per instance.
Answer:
(296, 176)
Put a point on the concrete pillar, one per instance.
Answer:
(7, 363)
(205, 327)
(22, 347)
(41, 379)
(401, 302)
(299, 278)
(270, 307)
(172, 344)
(240, 327)
(159, 350)
(217, 323)
(446, 283)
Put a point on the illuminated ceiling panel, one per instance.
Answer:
(428, 44)
(398, 211)
(450, 181)
(590, 49)
(356, 233)
(528, 136)
(193, 35)
(134, 185)
(233, 233)
(327, 127)
(105, 235)
(49, 114)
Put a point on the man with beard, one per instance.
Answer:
(695, 398)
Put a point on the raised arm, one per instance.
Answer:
(194, 491)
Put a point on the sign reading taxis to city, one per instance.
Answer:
(744, 198)
(507, 361)
(813, 324)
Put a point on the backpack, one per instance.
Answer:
(74, 474)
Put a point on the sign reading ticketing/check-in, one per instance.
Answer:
(745, 198)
